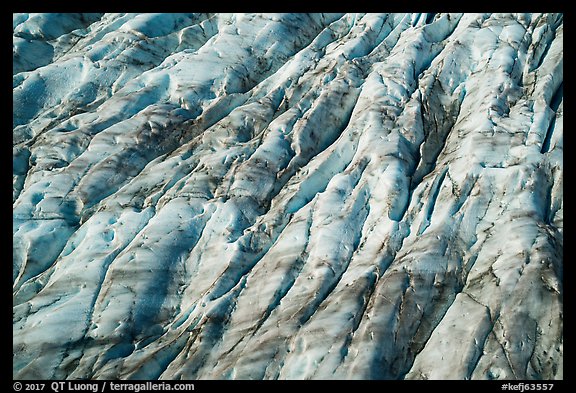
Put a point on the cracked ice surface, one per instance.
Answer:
(292, 196)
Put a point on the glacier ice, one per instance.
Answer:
(288, 196)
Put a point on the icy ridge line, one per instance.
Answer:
(287, 196)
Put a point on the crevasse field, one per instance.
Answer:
(287, 196)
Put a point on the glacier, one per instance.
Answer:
(288, 196)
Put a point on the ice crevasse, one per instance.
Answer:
(288, 196)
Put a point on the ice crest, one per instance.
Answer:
(287, 196)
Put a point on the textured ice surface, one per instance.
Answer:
(288, 196)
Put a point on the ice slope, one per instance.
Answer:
(288, 196)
